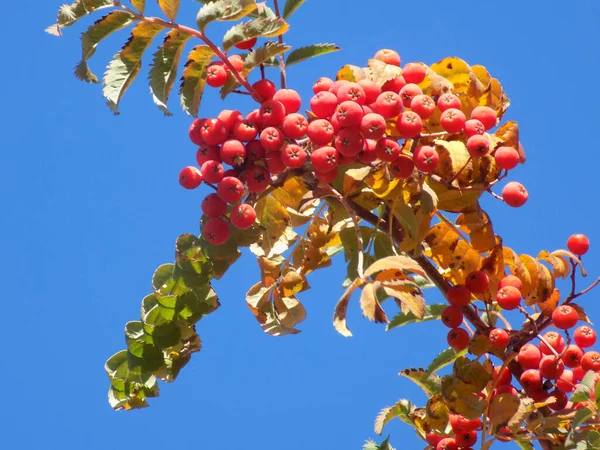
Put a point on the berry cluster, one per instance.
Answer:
(348, 123)
(552, 368)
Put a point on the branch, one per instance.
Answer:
(282, 69)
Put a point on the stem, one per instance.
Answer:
(282, 70)
(185, 29)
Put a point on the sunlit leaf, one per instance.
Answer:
(398, 262)
(431, 312)
(370, 305)
(194, 78)
(265, 27)
(429, 382)
(503, 407)
(140, 5)
(303, 53)
(445, 358)
(170, 8)
(339, 316)
(224, 10)
(261, 54)
(69, 14)
(402, 409)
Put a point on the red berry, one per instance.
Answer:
(353, 92)
(371, 89)
(322, 84)
(578, 244)
(254, 118)
(505, 377)
(349, 114)
(247, 44)
(216, 231)
(388, 104)
(216, 76)
(508, 298)
(272, 139)
(368, 153)
(433, 439)
(578, 372)
(233, 152)
(565, 317)
(242, 216)
(572, 356)
(237, 62)
(507, 158)
(388, 149)
(335, 87)
(265, 89)
(561, 400)
(347, 160)
(477, 282)
(402, 167)
(505, 388)
(323, 104)
(458, 339)
(529, 356)
(293, 156)
(466, 438)
(459, 295)
(327, 177)
(295, 126)
(478, 146)
(408, 92)
(566, 382)
(473, 127)
(452, 316)
(208, 153)
(230, 118)
(453, 120)
(510, 280)
(230, 189)
(551, 367)
(274, 162)
(394, 84)
(388, 56)
(195, 132)
(515, 194)
(289, 98)
(486, 115)
(414, 72)
(213, 206)
(320, 131)
(531, 379)
(426, 159)
(584, 336)
(499, 338)
(460, 423)
(349, 142)
(190, 177)
(254, 151)
(409, 124)
(447, 444)
(373, 126)
(244, 131)
(423, 105)
(325, 159)
(212, 171)
(555, 340)
(257, 178)
(447, 101)
(272, 113)
(591, 361)
(214, 131)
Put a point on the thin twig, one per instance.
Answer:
(282, 69)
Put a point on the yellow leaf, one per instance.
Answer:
(568, 255)
(275, 221)
(395, 262)
(560, 267)
(478, 225)
(549, 305)
(269, 269)
(542, 281)
(339, 316)
(354, 178)
(454, 200)
(437, 412)
(350, 73)
(256, 298)
(493, 266)
(291, 193)
(508, 133)
(289, 311)
(456, 71)
(292, 283)
(370, 306)
(518, 269)
(413, 302)
(380, 72)
(503, 408)
(453, 157)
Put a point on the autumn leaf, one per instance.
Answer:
(503, 408)
(339, 316)
(398, 262)
(370, 305)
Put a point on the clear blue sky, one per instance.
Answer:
(91, 206)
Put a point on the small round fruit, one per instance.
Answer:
(447, 444)
(295, 126)
(272, 139)
(452, 316)
(504, 377)
(459, 295)
(486, 115)
(323, 104)
(372, 126)
(478, 282)
(216, 231)
(551, 367)
(529, 356)
(453, 120)
(555, 340)
(499, 338)
(293, 156)
(244, 131)
(372, 90)
(247, 44)
(585, 336)
(208, 153)
(458, 339)
(408, 92)
(447, 101)
(320, 131)
(478, 146)
(591, 361)
(578, 244)
(325, 159)
(257, 178)
(274, 162)
(242, 216)
(349, 142)
(510, 280)
(237, 62)
(230, 189)
(322, 84)
(566, 382)
(265, 89)
(290, 99)
(414, 72)
(508, 298)
(531, 379)
(565, 317)
(402, 167)
(353, 92)
(216, 76)
(466, 438)
(388, 56)
(388, 149)
(388, 104)
(190, 177)
(515, 194)
(213, 206)
(507, 158)
(473, 127)
(349, 114)
(409, 124)
(212, 171)
(426, 159)
(423, 105)
(394, 85)
(572, 356)
(214, 131)
(272, 113)
(195, 132)
(233, 152)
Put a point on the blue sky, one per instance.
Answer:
(92, 206)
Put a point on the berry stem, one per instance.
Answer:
(185, 29)
(282, 69)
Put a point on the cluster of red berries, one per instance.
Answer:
(544, 365)
(348, 124)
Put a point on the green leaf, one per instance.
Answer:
(430, 383)
(194, 79)
(162, 280)
(371, 445)
(262, 26)
(432, 312)
(224, 10)
(69, 14)
(230, 85)
(170, 8)
(402, 409)
(116, 20)
(524, 445)
(221, 256)
(291, 6)
(584, 390)
(261, 54)
(303, 53)
(581, 416)
(126, 64)
(407, 218)
(164, 67)
(445, 358)
(140, 5)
